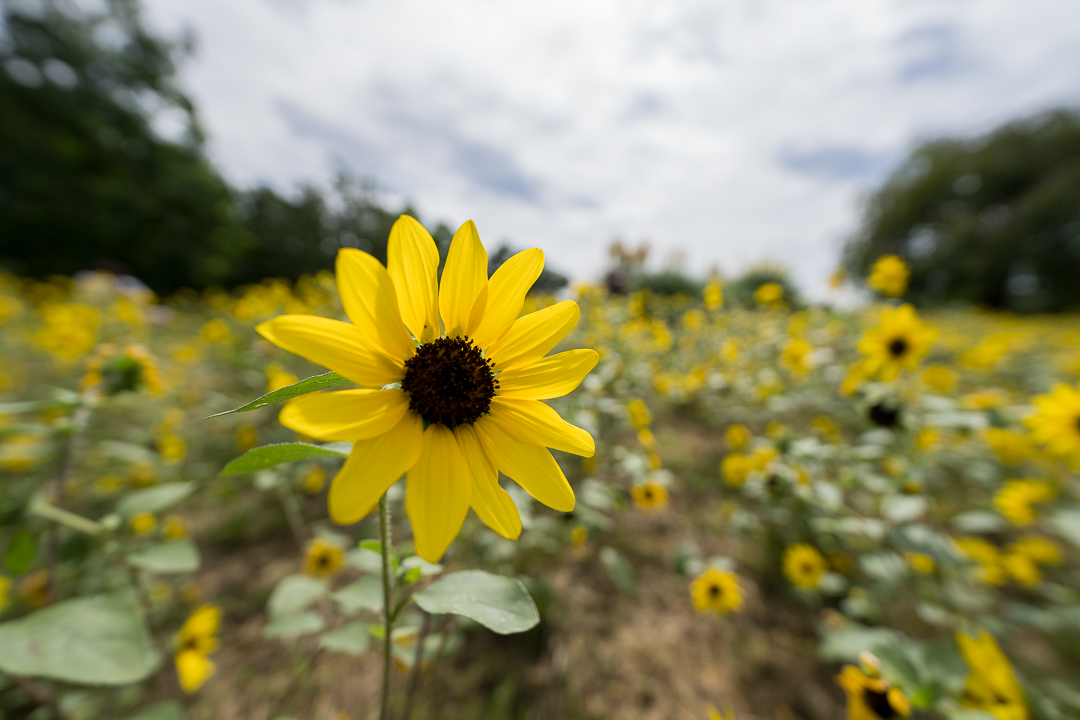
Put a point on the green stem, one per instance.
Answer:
(388, 620)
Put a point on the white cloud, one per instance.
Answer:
(733, 131)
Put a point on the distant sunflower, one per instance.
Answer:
(453, 381)
(649, 495)
(716, 591)
(195, 642)
(323, 558)
(871, 698)
(1056, 422)
(991, 686)
(899, 342)
(889, 276)
(804, 565)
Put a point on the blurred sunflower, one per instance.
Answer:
(1056, 422)
(649, 495)
(804, 565)
(323, 558)
(991, 686)
(196, 640)
(453, 381)
(889, 276)
(716, 591)
(871, 698)
(899, 342)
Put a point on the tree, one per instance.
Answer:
(85, 181)
(993, 221)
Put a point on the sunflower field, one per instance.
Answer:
(869, 513)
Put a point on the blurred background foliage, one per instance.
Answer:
(993, 221)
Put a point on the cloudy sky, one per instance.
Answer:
(729, 131)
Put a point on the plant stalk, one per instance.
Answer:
(78, 421)
(384, 527)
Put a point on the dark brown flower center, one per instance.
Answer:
(878, 702)
(714, 591)
(884, 416)
(898, 347)
(449, 382)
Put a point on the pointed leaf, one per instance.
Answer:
(154, 499)
(266, 456)
(501, 604)
(174, 556)
(294, 593)
(325, 381)
(352, 639)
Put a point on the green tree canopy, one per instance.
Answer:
(993, 221)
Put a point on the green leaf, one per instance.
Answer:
(20, 553)
(619, 569)
(364, 594)
(352, 639)
(174, 556)
(415, 562)
(99, 640)
(850, 640)
(168, 710)
(364, 559)
(154, 499)
(294, 593)
(325, 381)
(376, 547)
(945, 666)
(1066, 522)
(266, 456)
(291, 626)
(501, 604)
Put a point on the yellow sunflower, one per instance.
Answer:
(899, 342)
(889, 276)
(871, 698)
(804, 565)
(649, 495)
(716, 591)
(991, 686)
(452, 384)
(197, 639)
(323, 558)
(1056, 422)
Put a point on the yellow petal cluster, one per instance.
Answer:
(991, 686)
(194, 644)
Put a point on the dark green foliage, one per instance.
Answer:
(84, 180)
(669, 282)
(993, 221)
(740, 291)
(549, 281)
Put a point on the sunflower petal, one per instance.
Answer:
(437, 493)
(534, 335)
(492, 504)
(335, 345)
(372, 467)
(551, 377)
(346, 414)
(530, 466)
(413, 263)
(370, 301)
(537, 423)
(506, 295)
(463, 278)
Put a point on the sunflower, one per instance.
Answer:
(1016, 500)
(323, 558)
(196, 640)
(871, 698)
(452, 382)
(804, 565)
(900, 341)
(889, 276)
(716, 591)
(991, 686)
(1056, 422)
(795, 357)
(649, 495)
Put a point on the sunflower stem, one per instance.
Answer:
(388, 620)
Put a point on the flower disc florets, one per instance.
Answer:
(878, 701)
(898, 347)
(449, 382)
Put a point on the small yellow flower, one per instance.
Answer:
(714, 295)
(716, 591)
(640, 417)
(1056, 422)
(827, 427)
(795, 357)
(1016, 500)
(579, 535)
(927, 439)
(172, 527)
(987, 556)
(143, 523)
(196, 640)
(737, 437)
(871, 698)
(1021, 568)
(1011, 447)
(899, 342)
(649, 495)
(5, 589)
(323, 558)
(991, 685)
(889, 276)
(215, 331)
(652, 449)
(920, 562)
(940, 378)
(734, 468)
(804, 565)
(313, 480)
(762, 457)
(172, 448)
(769, 295)
(1040, 550)
(247, 437)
